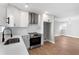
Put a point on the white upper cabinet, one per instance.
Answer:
(16, 17)
(10, 16)
(47, 18)
(24, 21)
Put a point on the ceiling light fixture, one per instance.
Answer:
(26, 6)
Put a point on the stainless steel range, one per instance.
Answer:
(35, 39)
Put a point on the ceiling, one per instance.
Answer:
(57, 9)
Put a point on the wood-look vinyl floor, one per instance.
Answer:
(64, 46)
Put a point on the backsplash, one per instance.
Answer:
(25, 30)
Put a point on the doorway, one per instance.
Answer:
(47, 26)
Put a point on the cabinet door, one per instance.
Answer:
(14, 17)
(17, 18)
(23, 19)
(10, 17)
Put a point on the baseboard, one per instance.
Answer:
(58, 34)
(72, 36)
(52, 42)
(69, 36)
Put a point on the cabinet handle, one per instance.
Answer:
(8, 20)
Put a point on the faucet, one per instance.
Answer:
(3, 39)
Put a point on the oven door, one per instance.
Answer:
(35, 41)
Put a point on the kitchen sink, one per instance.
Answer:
(12, 40)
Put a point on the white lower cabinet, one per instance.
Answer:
(26, 40)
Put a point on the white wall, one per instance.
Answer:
(72, 27)
(52, 30)
(60, 28)
(57, 28)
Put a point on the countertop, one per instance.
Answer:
(14, 49)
